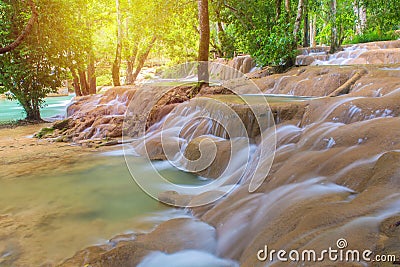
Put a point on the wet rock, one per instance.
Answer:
(237, 67)
(175, 199)
(62, 125)
(217, 165)
(184, 259)
(349, 110)
(203, 202)
(167, 102)
(305, 60)
(193, 234)
(310, 81)
(389, 243)
(214, 90)
(98, 116)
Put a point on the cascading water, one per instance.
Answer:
(333, 175)
(206, 126)
(332, 179)
(370, 53)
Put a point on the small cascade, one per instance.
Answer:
(186, 258)
(315, 194)
(220, 69)
(328, 173)
(203, 136)
(345, 57)
(386, 52)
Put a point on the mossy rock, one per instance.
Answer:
(61, 125)
(44, 132)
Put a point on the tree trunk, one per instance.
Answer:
(220, 35)
(142, 59)
(334, 31)
(117, 62)
(278, 9)
(130, 64)
(361, 14)
(33, 115)
(288, 7)
(306, 29)
(75, 82)
(83, 82)
(91, 76)
(204, 45)
(313, 31)
(32, 109)
(25, 32)
(297, 22)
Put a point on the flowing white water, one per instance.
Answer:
(368, 53)
(343, 57)
(185, 258)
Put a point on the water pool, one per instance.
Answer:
(46, 218)
(10, 110)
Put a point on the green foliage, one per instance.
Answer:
(33, 70)
(276, 49)
(252, 28)
(383, 15)
(104, 80)
(71, 33)
(179, 38)
(372, 37)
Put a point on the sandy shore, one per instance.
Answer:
(21, 154)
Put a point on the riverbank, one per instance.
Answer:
(21, 154)
(57, 198)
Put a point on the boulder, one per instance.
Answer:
(218, 163)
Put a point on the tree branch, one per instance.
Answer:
(25, 32)
(239, 13)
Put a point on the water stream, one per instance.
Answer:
(54, 106)
(46, 218)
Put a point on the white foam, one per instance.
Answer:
(185, 258)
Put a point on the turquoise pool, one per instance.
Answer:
(12, 111)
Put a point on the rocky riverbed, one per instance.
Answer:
(334, 174)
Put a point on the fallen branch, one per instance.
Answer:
(345, 88)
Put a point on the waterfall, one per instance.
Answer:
(202, 136)
(385, 52)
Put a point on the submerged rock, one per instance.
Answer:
(193, 235)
